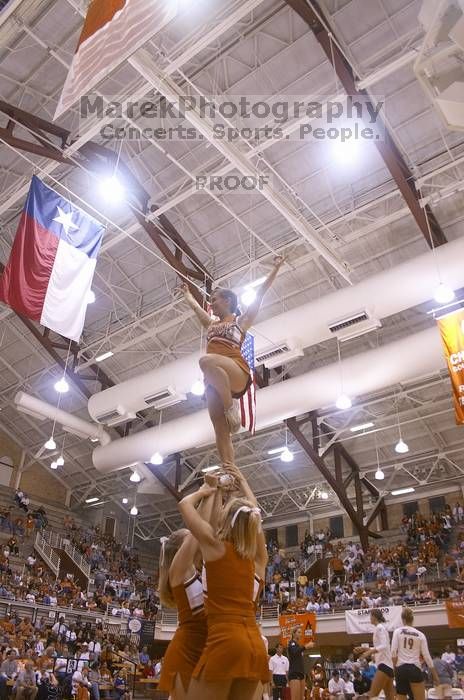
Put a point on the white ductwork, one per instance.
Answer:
(37, 408)
(380, 295)
(416, 356)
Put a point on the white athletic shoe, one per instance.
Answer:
(233, 417)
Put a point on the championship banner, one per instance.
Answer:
(452, 335)
(455, 612)
(359, 621)
(307, 621)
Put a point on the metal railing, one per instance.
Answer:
(265, 613)
(48, 554)
(56, 540)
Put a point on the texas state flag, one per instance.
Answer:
(49, 274)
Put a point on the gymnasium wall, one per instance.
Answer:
(395, 514)
(37, 481)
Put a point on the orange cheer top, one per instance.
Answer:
(226, 338)
(234, 648)
(186, 646)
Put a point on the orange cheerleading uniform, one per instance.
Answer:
(234, 648)
(226, 338)
(188, 642)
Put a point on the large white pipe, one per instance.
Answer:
(382, 295)
(25, 403)
(409, 358)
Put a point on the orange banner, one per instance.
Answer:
(452, 335)
(307, 622)
(455, 612)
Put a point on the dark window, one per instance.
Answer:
(437, 504)
(336, 526)
(271, 535)
(410, 508)
(291, 536)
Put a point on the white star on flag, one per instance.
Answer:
(65, 220)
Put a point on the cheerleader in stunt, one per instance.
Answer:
(227, 375)
(234, 661)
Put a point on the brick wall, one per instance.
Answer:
(36, 480)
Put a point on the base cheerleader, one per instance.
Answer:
(234, 661)
(227, 374)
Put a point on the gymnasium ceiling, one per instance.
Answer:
(355, 206)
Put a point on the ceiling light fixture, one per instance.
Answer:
(54, 465)
(111, 189)
(50, 444)
(213, 468)
(156, 459)
(443, 294)
(401, 492)
(361, 426)
(125, 501)
(343, 402)
(135, 477)
(93, 499)
(401, 447)
(324, 495)
(134, 510)
(104, 356)
(379, 475)
(198, 388)
(248, 296)
(62, 386)
(276, 450)
(286, 455)
(60, 461)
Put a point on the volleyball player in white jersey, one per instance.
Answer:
(383, 679)
(408, 646)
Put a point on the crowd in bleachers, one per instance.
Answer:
(48, 658)
(427, 565)
(120, 584)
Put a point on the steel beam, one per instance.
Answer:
(387, 148)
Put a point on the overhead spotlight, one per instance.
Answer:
(104, 356)
(54, 465)
(60, 461)
(401, 492)
(50, 444)
(134, 477)
(62, 386)
(90, 298)
(362, 426)
(92, 499)
(343, 402)
(125, 501)
(111, 189)
(443, 294)
(379, 475)
(134, 510)
(401, 447)
(248, 296)
(156, 459)
(198, 387)
(345, 151)
(286, 455)
(324, 495)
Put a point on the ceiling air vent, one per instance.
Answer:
(114, 417)
(278, 354)
(354, 325)
(163, 398)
